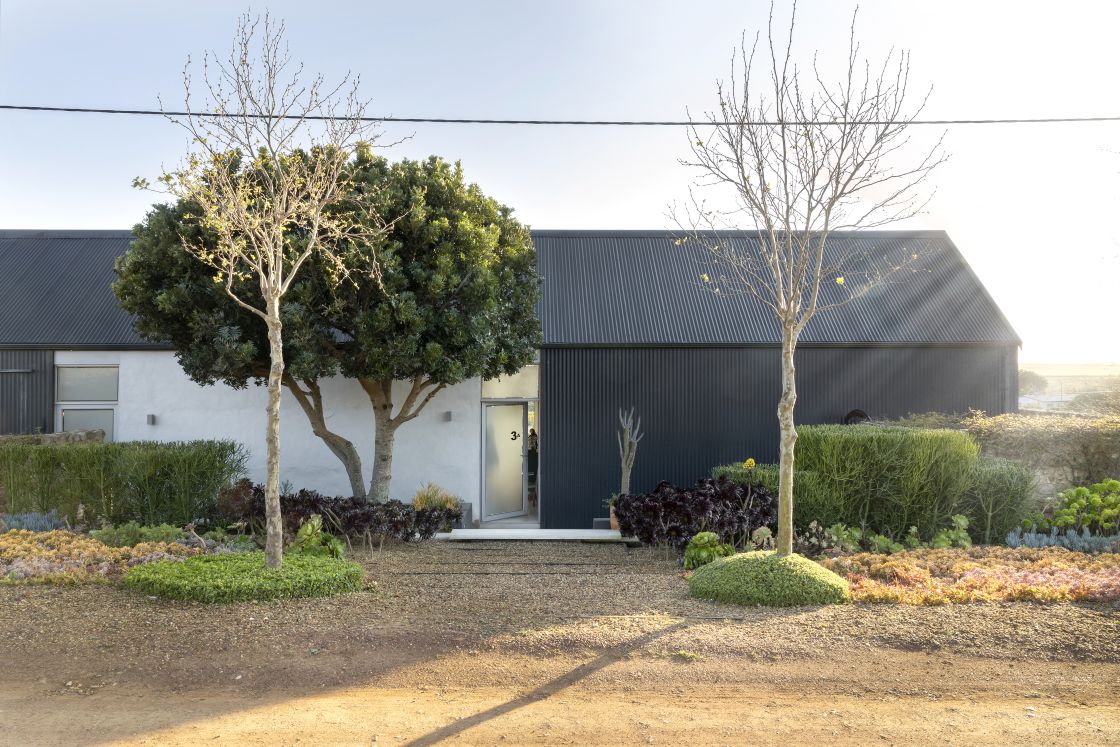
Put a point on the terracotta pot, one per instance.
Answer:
(614, 519)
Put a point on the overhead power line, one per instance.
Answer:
(579, 122)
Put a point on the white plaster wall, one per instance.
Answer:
(447, 452)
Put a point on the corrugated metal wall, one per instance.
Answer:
(706, 406)
(26, 391)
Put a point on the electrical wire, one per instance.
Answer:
(576, 122)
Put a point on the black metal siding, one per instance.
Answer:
(622, 288)
(706, 406)
(26, 391)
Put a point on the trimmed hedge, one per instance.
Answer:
(142, 481)
(768, 579)
(888, 478)
(1069, 450)
(239, 577)
(997, 499)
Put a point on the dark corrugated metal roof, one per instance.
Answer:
(55, 290)
(643, 288)
(600, 288)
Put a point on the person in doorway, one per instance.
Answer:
(534, 455)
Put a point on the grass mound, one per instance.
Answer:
(768, 579)
(238, 577)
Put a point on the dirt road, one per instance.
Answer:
(546, 645)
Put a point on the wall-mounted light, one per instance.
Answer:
(449, 416)
(151, 419)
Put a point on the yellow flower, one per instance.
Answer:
(748, 464)
(704, 277)
(840, 280)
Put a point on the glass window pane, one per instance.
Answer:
(84, 420)
(522, 385)
(87, 384)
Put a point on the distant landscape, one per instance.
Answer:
(1075, 378)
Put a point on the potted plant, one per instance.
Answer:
(609, 503)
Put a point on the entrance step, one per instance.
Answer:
(532, 535)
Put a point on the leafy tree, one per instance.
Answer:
(1031, 382)
(456, 299)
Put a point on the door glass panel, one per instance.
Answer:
(85, 420)
(505, 459)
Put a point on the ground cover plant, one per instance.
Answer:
(61, 556)
(980, 574)
(671, 516)
(351, 518)
(1095, 509)
(131, 533)
(766, 578)
(243, 577)
(147, 482)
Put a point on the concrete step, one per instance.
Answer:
(532, 535)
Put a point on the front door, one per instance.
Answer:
(505, 457)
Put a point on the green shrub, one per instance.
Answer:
(312, 540)
(433, 496)
(998, 497)
(768, 579)
(130, 534)
(886, 478)
(146, 482)
(808, 503)
(236, 577)
(1095, 508)
(1070, 450)
(703, 549)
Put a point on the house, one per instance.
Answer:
(628, 321)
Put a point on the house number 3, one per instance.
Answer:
(514, 435)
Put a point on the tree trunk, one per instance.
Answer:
(788, 441)
(311, 402)
(382, 453)
(274, 540)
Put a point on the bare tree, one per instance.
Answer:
(269, 158)
(628, 437)
(801, 156)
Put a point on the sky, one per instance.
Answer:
(1032, 207)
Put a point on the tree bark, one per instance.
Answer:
(382, 454)
(788, 440)
(274, 540)
(311, 401)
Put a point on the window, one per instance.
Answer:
(87, 384)
(86, 398)
(522, 385)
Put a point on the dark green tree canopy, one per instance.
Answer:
(459, 289)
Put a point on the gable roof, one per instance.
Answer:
(55, 291)
(646, 288)
(601, 288)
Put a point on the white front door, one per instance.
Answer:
(504, 461)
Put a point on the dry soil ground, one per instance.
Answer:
(546, 644)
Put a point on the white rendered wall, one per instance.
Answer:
(429, 448)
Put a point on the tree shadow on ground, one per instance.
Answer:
(546, 690)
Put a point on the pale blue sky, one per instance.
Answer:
(1033, 208)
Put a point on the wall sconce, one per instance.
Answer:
(151, 419)
(449, 416)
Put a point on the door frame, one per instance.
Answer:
(524, 404)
